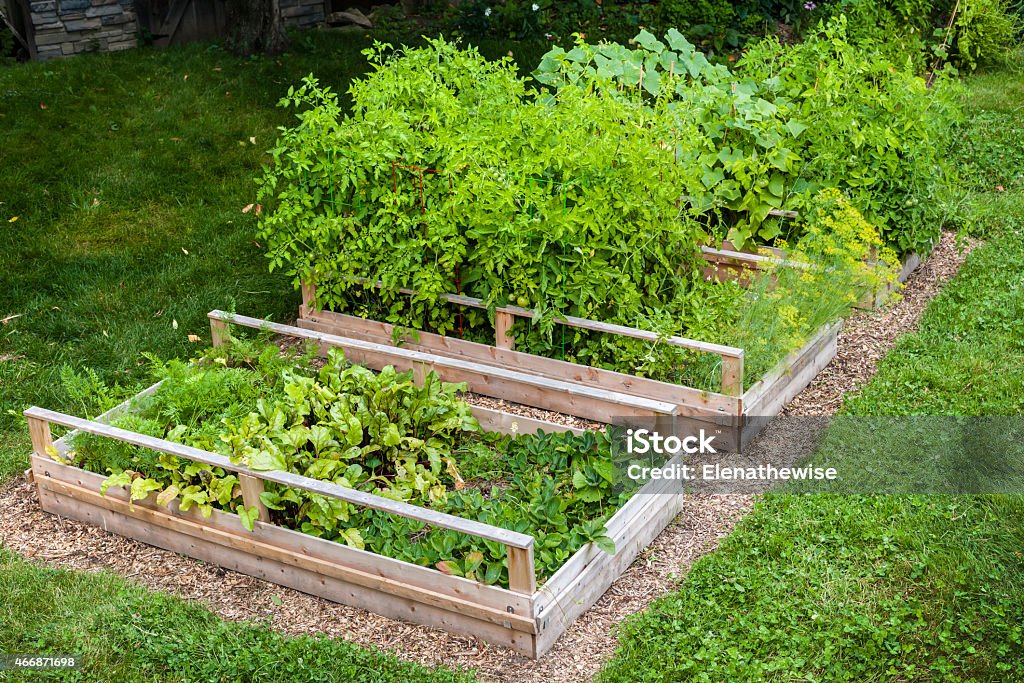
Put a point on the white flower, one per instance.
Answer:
(515, 427)
(535, 7)
(487, 12)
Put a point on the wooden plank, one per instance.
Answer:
(587, 324)
(786, 389)
(332, 588)
(759, 249)
(757, 396)
(875, 299)
(329, 489)
(254, 548)
(219, 333)
(169, 26)
(501, 599)
(564, 397)
(507, 423)
(522, 577)
(308, 305)
(732, 376)
(42, 438)
(252, 488)
(688, 401)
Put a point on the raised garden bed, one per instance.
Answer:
(524, 617)
(734, 415)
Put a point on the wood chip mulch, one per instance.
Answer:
(704, 521)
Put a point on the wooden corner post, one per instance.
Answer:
(503, 338)
(521, 575)
(219, 332)
(308, 297)
(252, 487)
(732, 375)
(42, 438)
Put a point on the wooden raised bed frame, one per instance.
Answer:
(526, 618)
(733, 415)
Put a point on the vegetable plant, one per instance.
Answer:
(376, 432)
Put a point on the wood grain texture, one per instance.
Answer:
(500, 599)
(587, 324)
(391, 598)
(565, 397)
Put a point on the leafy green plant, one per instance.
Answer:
(985, 31)
(872, 129)
(377, 432)
(622, 166)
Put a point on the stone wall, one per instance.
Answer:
(67, 27)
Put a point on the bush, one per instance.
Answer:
(786, 122)
(982, 31)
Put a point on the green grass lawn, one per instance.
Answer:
(124, 179)
(128, 634)
(884, 588)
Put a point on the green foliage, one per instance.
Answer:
(546, 222)
(985, 31)
(928, 33)
(717, 26)
(555, 487)
(379, 433)
(87, 391)
(786, 122)
(735, 148)
(873, 128)
(423, 188)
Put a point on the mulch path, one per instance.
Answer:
(579, 654)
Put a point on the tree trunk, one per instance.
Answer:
(255, 26)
